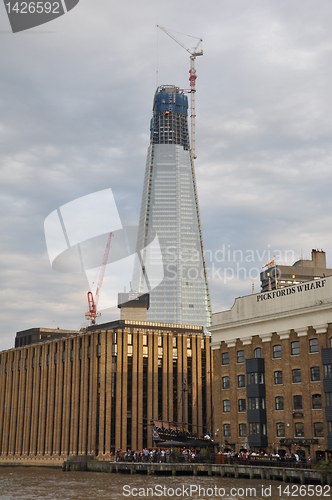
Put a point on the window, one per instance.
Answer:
(295, 348)
(297, 402)
(225, 382)
(279, 402)
(226, 406)
(328, 398)
(227, 430)
(277, 351)
(255, 378)
(313, 345)
(299, 429)
(280, 429)
(329, 429)
(256, 403)
(315, 374)
(242, 405)
(241, 381)
(317, 402)
(256, 429)
(318, 429)
(327, 371)
(130, 338)
(331, 342)
(278, 377)
(240, 356)
(258, 353)
(243, 430)
(253, 429)
(145, 339)
(225, 358)
(296, 376)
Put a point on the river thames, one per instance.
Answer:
(41, 483)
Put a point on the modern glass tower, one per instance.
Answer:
(170, 210)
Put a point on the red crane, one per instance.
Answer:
(92, 314)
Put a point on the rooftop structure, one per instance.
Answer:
(35, 335)
(301, 271)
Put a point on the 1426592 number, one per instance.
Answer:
(34, 8)
(304, 490)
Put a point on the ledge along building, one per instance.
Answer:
(94, 392)
(170, 209)
(272, 386)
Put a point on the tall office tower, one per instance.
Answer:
(170, 209)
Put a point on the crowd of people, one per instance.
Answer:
(243, 457)
(248, 457)
(159, 455)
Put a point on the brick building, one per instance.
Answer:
(97, 391)
(272, 358)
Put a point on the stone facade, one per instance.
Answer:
(96, 392)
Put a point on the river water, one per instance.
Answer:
(41, 483)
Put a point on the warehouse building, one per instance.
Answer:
(98, 391)
(272, 357)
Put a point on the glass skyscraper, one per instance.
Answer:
(170, 210)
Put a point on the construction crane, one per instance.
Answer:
(92, 313)
(197, 51)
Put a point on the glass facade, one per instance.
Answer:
(170, 210)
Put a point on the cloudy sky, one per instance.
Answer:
(75, 104)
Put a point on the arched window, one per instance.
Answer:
(313, 345)
(280, 429)
(316, 402)
(279, 402)
(277, 351)
(299, 429)
(258, 353)
(318, 429)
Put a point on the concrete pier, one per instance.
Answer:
(301, 476)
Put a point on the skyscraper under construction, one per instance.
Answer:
(170, 210)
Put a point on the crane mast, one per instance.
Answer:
(192, 79)
(92, 314)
